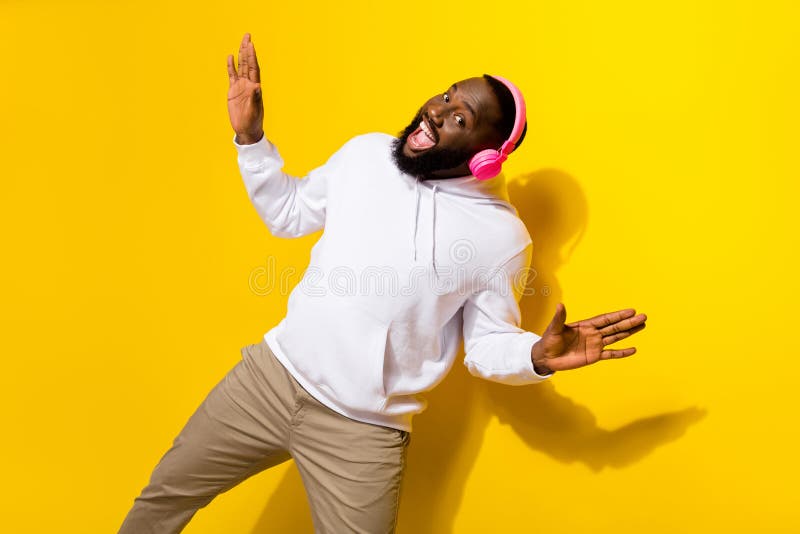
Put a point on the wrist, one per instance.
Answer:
(539, 361)
(249, 138)
(541, 369)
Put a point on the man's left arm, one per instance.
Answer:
(496, 347)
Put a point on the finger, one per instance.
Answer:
(252, 61)
(625, 324)
(557, 324)
(613, 338)
(606, 319)
(231, 70)
(619, 353)
(243, 70)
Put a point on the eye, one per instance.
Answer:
(460, 121)
(446, 97)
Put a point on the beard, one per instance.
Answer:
(423, 165)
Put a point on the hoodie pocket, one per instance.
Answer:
(339, 347)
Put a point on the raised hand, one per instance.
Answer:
(569, 346)
(245, 106)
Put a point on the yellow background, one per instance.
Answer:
(659, 171)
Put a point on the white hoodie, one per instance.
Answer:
(402, 269)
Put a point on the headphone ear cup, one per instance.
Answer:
(486, 164)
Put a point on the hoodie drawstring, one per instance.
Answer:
(433, 229)
(417, 196)
(416, 218)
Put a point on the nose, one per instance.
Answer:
(436, 114)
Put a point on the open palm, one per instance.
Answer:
(245, 105)
(571, 345)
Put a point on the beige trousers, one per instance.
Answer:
(259, 416)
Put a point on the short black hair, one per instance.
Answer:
(508, 110)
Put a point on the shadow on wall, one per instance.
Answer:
(447, 437)
(554, 209)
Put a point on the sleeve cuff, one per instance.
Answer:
(252, 156)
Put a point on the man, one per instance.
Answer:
(335, 384)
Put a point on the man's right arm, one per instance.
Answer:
(288, 206)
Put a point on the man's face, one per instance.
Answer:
(448, 130)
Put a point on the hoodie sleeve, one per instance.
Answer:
(290, 207)
(496, 348)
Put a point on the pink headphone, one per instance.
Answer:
(487, 164)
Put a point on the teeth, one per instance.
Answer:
(427, 130)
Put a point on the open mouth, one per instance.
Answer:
(423, 138)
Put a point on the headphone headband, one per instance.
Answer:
(519, 117)
(487, 164)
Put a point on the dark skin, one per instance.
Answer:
(463, 117)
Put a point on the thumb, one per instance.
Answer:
(557, 324)
(257, 94)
